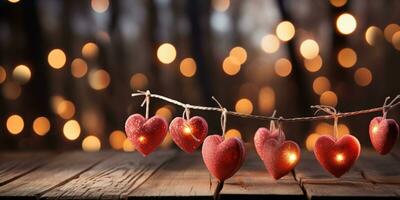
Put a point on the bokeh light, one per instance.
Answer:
(91, 144)
(310, 141)
(314, 64)
(22, 74)
(266, 99)
(239, 53)
(338, 3)
(164, 112)
(347, 57)
(139, 81)
(232, 133)
(372, 34)
(328, 98)
(57, 58)
(321, 84)
(65, 109)
(390, 30)
(100, 6)
(71, 129)
(244, 106)
(99, 79)
(13, 1)
(128, 146)
(309, 49)
(117, 139)
(11, 90)
(346, 23)
(283, 67)
(15, 124)
(270, 43)
(285, 31)
(363, 77)
(78, 68)
(41, 126)
(396, 40)
(3, 74)
(221, 5)
(231, 66)
(90, 50)
(188, 67)
(166, 53)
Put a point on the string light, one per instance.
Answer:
(291, 157)
(347, 57)
(239, 53)
(283, 67)
(363, 77)
(166, 53)
(90, 50)
(71, 129)
(99, 79)
(270, 43)
(285, 31)
(22, 74)
(314, 64)
(328, 98)
(91, 144)
(309, 49)
(339, 157)
(187, 130)
(117, 139)
(3, 74)
(57, 58)
(244, 106)
(346, 23)
(142, 140)
(375, 128)
(65, 109)
(232, 133)
(231, 66)
(41, 126)
(15, 124)
(78, 68)
(188, 67)
(100, 6)
(321, 84)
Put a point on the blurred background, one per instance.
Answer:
(68, 68)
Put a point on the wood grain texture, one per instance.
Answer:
(15, 165)
(319, 184)
(379, 169)
(57, 171)
(114, 178)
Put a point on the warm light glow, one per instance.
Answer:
(231, 66)
(78, 68)
(164, 112)
(117, 139)
(221, 5)
(285, 31)
(15, 124)
(321, 84)
(390, 30)
(239, 53)
(57, 58)
(71, 129)
(283, 67)
(3, 74)
(338, 3)
(270, 43)
(139, 81)
(188, 67)
(375, 128)
(346, 23)
(396, 40)
(100, 6)
(187, 130)
(291, 157)
(55, 102)
(310, 141)
(339, 157)
(266, 99)
(166, 144)
(309, 49)
(128, 146)
(231, 133)
(90, 50)
(91, 144)
(372, 34)
(65, 109)
(166, 53)
(41, 126)
(363, 77)
(11, 90)
(347, 57)
(99, 79)
(342, 130)
(314, 64)
(328, 98)
(142, 140)
(13, 1)
(324, 128)
(22, 74)
(244, 106)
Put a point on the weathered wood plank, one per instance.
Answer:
(112, 179)
(59, 170)
(319, 184)
(15, 165)
(378, 168)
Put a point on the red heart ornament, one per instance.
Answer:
(280, 157)
(223, 158)
(337, 156)
(262, 135)
(188, 134)
(146, 135)
(383, 134)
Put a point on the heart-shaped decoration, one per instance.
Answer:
(223, 158)
(188, 134)
(337, 156)
(146, 135)
(262, 135)
(280, 157)
(383, 134)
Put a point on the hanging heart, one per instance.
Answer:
(223, 158)
(280, 157)
(146, 135)
(262, 135)
(188, 134)
(383, 134)
(337, 156)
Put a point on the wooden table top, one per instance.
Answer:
(173, 174)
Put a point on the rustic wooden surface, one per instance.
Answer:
(173, 174)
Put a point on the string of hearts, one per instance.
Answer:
(224, 157)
